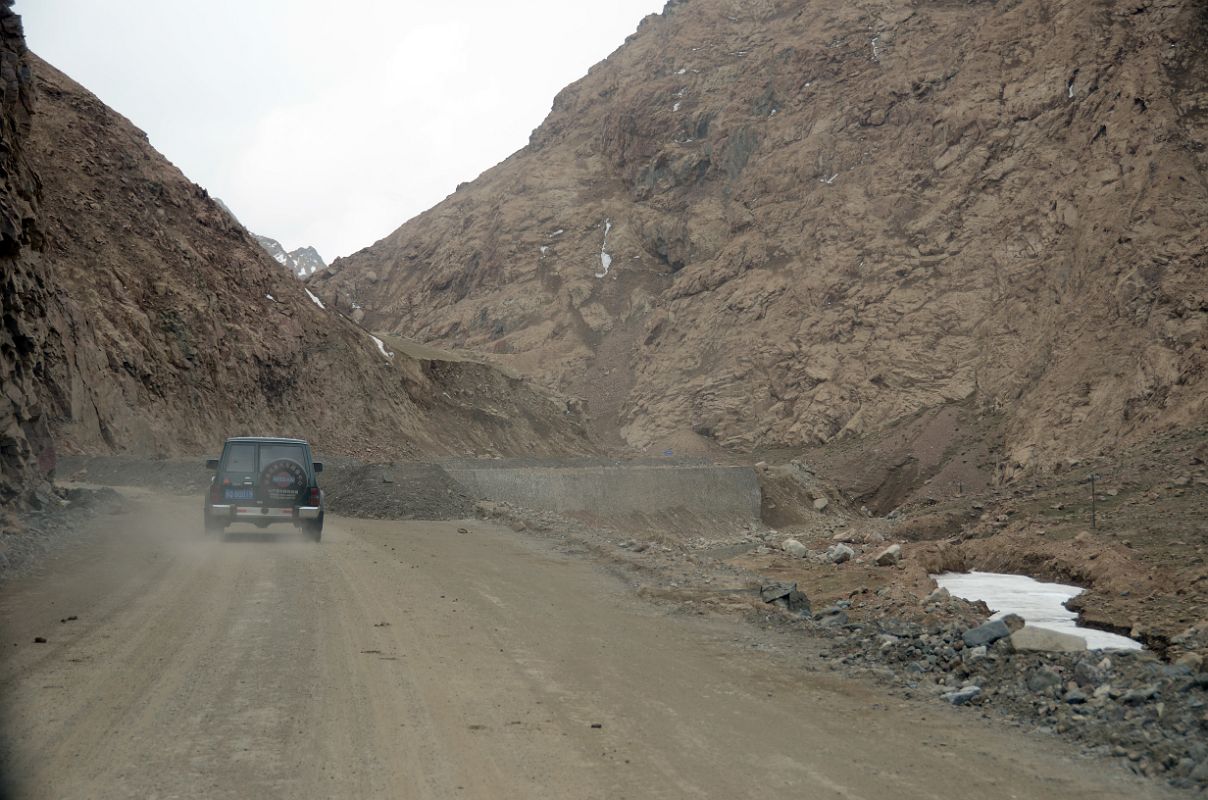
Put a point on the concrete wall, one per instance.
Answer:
(621, 493)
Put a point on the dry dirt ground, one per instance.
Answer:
(445, 659)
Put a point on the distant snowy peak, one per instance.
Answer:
(302, 262)
(307, 261)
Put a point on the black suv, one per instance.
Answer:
(261, 481)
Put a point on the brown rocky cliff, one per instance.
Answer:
(824, 218)
(27, 295)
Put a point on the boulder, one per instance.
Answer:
(986, 633)
(1074, 697)
(1042, 680)
(840, 553)
(1087, 675)
(939, 595)
(962, 696)
(794, 548)
(1013, 622)
(890, 556)
(821, 503)
(832, 617)
(785, 595)
(1046, 641)
(774, 591)
(1141, 695)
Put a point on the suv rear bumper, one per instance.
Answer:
(236, 513)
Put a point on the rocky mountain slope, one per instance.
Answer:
(141, 317)
(779, 224)
(28, 297)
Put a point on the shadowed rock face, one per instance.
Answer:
(27, 294)
(814, 220)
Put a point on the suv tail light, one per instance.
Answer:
(314, 495)
(215, 494)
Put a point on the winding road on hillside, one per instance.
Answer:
(411, 660)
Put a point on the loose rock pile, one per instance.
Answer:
(1117, 703)
(51, 521)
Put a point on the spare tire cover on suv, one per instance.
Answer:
(283, 481)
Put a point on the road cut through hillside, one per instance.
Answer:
(444, 660)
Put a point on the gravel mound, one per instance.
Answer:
(185, 476)
(406, 490)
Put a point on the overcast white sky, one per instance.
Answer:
(324, 123)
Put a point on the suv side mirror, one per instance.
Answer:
(211, 463)
(318, 466)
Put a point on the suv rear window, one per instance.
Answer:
(275, 452)
(240, 458)
(248, 458)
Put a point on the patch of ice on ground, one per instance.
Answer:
(605, 258)
(1041, 604)
(381, 346)
(316, 300)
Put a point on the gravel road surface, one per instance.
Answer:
(408, 659)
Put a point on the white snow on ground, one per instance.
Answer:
(605, 258)
(381, 346)
(558, 232)
(676, 107)
(544, 249)
(830, 180)
(682, 71)
(281, 258)
(317, 301)
(270, 297)
(1042, 605)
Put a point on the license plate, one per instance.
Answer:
(238, 494)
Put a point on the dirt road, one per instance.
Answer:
(408, 660)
